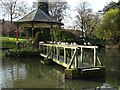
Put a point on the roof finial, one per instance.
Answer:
(43, 5)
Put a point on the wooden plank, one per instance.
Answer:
(91, 69)
(60, 63)
(87, 46)
(43, 55)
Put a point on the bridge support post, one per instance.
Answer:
(48, 61)
(72, 73)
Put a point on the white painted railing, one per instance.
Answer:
(54, 49)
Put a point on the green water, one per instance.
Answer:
(30, 73)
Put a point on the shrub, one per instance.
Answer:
(22, 53)
(64, 35)
(37, 39)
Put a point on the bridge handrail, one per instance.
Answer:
(69, 46)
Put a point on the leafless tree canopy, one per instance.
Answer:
(14, 8)
(57, 9)
(86, 20)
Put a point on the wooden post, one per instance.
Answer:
(81, 54)
(76, 59)
(27, 38)
(32, 36)
(94, 56)
(51, 26)
(20, 30)
(17, 35)
(65, 58)
(17, 43)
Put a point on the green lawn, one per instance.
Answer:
(10, 42)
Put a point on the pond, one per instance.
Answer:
(31, 73)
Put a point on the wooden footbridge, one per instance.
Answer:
(70, 56)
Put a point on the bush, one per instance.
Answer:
(64, 35)
(37, 39)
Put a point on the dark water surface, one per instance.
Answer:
(30, 73)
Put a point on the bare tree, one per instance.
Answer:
(14, 8)
(57, 9)
(86, 20)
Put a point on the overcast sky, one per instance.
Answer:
(96, 5)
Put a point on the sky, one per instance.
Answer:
(96, 5)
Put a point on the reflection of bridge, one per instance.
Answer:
(67, 56)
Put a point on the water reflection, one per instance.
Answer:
(26, 73)
(30, 73)
(112, 61)
(12, 71)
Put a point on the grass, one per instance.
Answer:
(10, 42)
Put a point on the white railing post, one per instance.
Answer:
(76, 59)
(94, 56)
(71, 52)
(81, 54)
(65, 59)
(52, 51)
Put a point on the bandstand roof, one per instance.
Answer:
(38, 18)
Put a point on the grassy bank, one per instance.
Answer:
(22, 53)
(10, 42)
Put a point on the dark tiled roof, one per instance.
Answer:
(38, 16)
